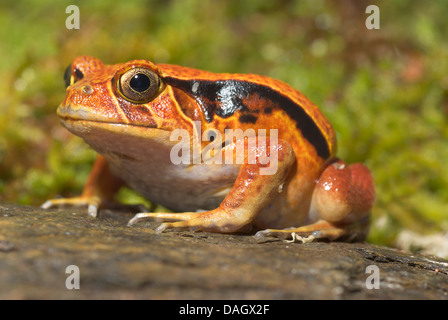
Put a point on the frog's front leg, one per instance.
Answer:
(253, 189)
(99, 189)
(340, 205)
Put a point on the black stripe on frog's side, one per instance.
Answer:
(247, 118)
(222, 98)
(225, 97)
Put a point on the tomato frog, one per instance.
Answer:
(128, 113)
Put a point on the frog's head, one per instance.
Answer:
(133, 93)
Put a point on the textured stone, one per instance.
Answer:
(121, 262)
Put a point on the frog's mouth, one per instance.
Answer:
(113, 136)
(72, 114)
(97, 129)
(118, 138)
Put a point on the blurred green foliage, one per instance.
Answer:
(385, 91)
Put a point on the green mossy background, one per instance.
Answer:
(385, 91)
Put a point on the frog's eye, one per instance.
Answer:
(139, 85)
(67, 76)
(70, 78)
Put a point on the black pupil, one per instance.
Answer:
(78, 75)
(140, 82)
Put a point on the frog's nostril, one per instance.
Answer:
(87, 89)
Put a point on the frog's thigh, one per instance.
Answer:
(341, 203)
(254, 188)
(343, 194)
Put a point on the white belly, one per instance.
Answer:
(141, 157)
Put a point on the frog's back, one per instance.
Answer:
(231, 101)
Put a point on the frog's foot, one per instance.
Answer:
(318, 230)
(163, 216)
(209, 221)
(98, 191)
(92, 203)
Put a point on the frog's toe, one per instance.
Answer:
(287, 235)
(263, 234)
(46, 205)
(166, 216)
(163, 216)
(318, 230)
(162, 228)
(136, 218)
(173, 226)
(192, 225)
(92, 203)
(92, 210)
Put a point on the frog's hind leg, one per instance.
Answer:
(340, 205)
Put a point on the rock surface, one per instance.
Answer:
(120, 262)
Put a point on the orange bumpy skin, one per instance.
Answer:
(129, 113)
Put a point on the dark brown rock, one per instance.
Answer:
(120, 262)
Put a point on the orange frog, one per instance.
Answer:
(128, 113)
